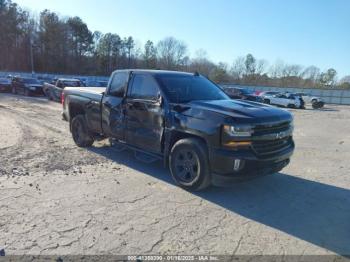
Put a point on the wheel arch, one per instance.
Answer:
(171, 137)
(75, 109)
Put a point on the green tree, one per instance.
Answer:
(250, 64)
(109, 51)
(52, 42)
(80, 40)
(150, 55)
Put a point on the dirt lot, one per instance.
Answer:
(56, 198)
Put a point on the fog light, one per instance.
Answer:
(237, 164)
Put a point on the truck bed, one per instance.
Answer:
(93, 93)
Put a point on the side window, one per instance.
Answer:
(118, 84)
(144, 87)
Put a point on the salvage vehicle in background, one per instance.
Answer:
(308, 98)
(96, 83)
(242, 93)
(315, 101)
(26, 86)
(5, 85)
(54, 91)
(185, 120)
(266, 94)
(285, 100)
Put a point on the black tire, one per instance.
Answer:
(189, 164)
(267, 101)
(291, 106)
(80, 132)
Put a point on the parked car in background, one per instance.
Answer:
(309, 98)
(285, 100)
(26, 86)
(242, 93)
(266, 94)
(103, 83)
(5, 85)
(97, 83)
(54, 91)
(44, 80)
(315, 101)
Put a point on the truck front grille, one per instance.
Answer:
(266, 148)
(271, 128)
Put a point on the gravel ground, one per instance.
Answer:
(56, 198)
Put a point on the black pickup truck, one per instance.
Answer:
(184, 119)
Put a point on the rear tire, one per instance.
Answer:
(267, 101)
(80, 132)
(189, 164)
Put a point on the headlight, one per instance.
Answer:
(235, 137)
(238, 131)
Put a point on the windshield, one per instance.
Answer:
(186, 88)
(30, 81)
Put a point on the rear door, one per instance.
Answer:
(113, 106)
(144, 113)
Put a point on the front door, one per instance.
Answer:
(113, 107)
(144, 113)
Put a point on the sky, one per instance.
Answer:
(304, 32)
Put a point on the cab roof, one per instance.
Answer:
(154, 72)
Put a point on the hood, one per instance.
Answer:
(244, 110)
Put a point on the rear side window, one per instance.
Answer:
(118, 84)
(144, 87)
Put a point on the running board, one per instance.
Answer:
(139, 154)
(145, 157)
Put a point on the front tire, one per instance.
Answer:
(80, 132)
(189, 164)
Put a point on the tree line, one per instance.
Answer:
(53, 44)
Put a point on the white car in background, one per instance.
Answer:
(309, 98)
(285, 100)
(266, 94)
